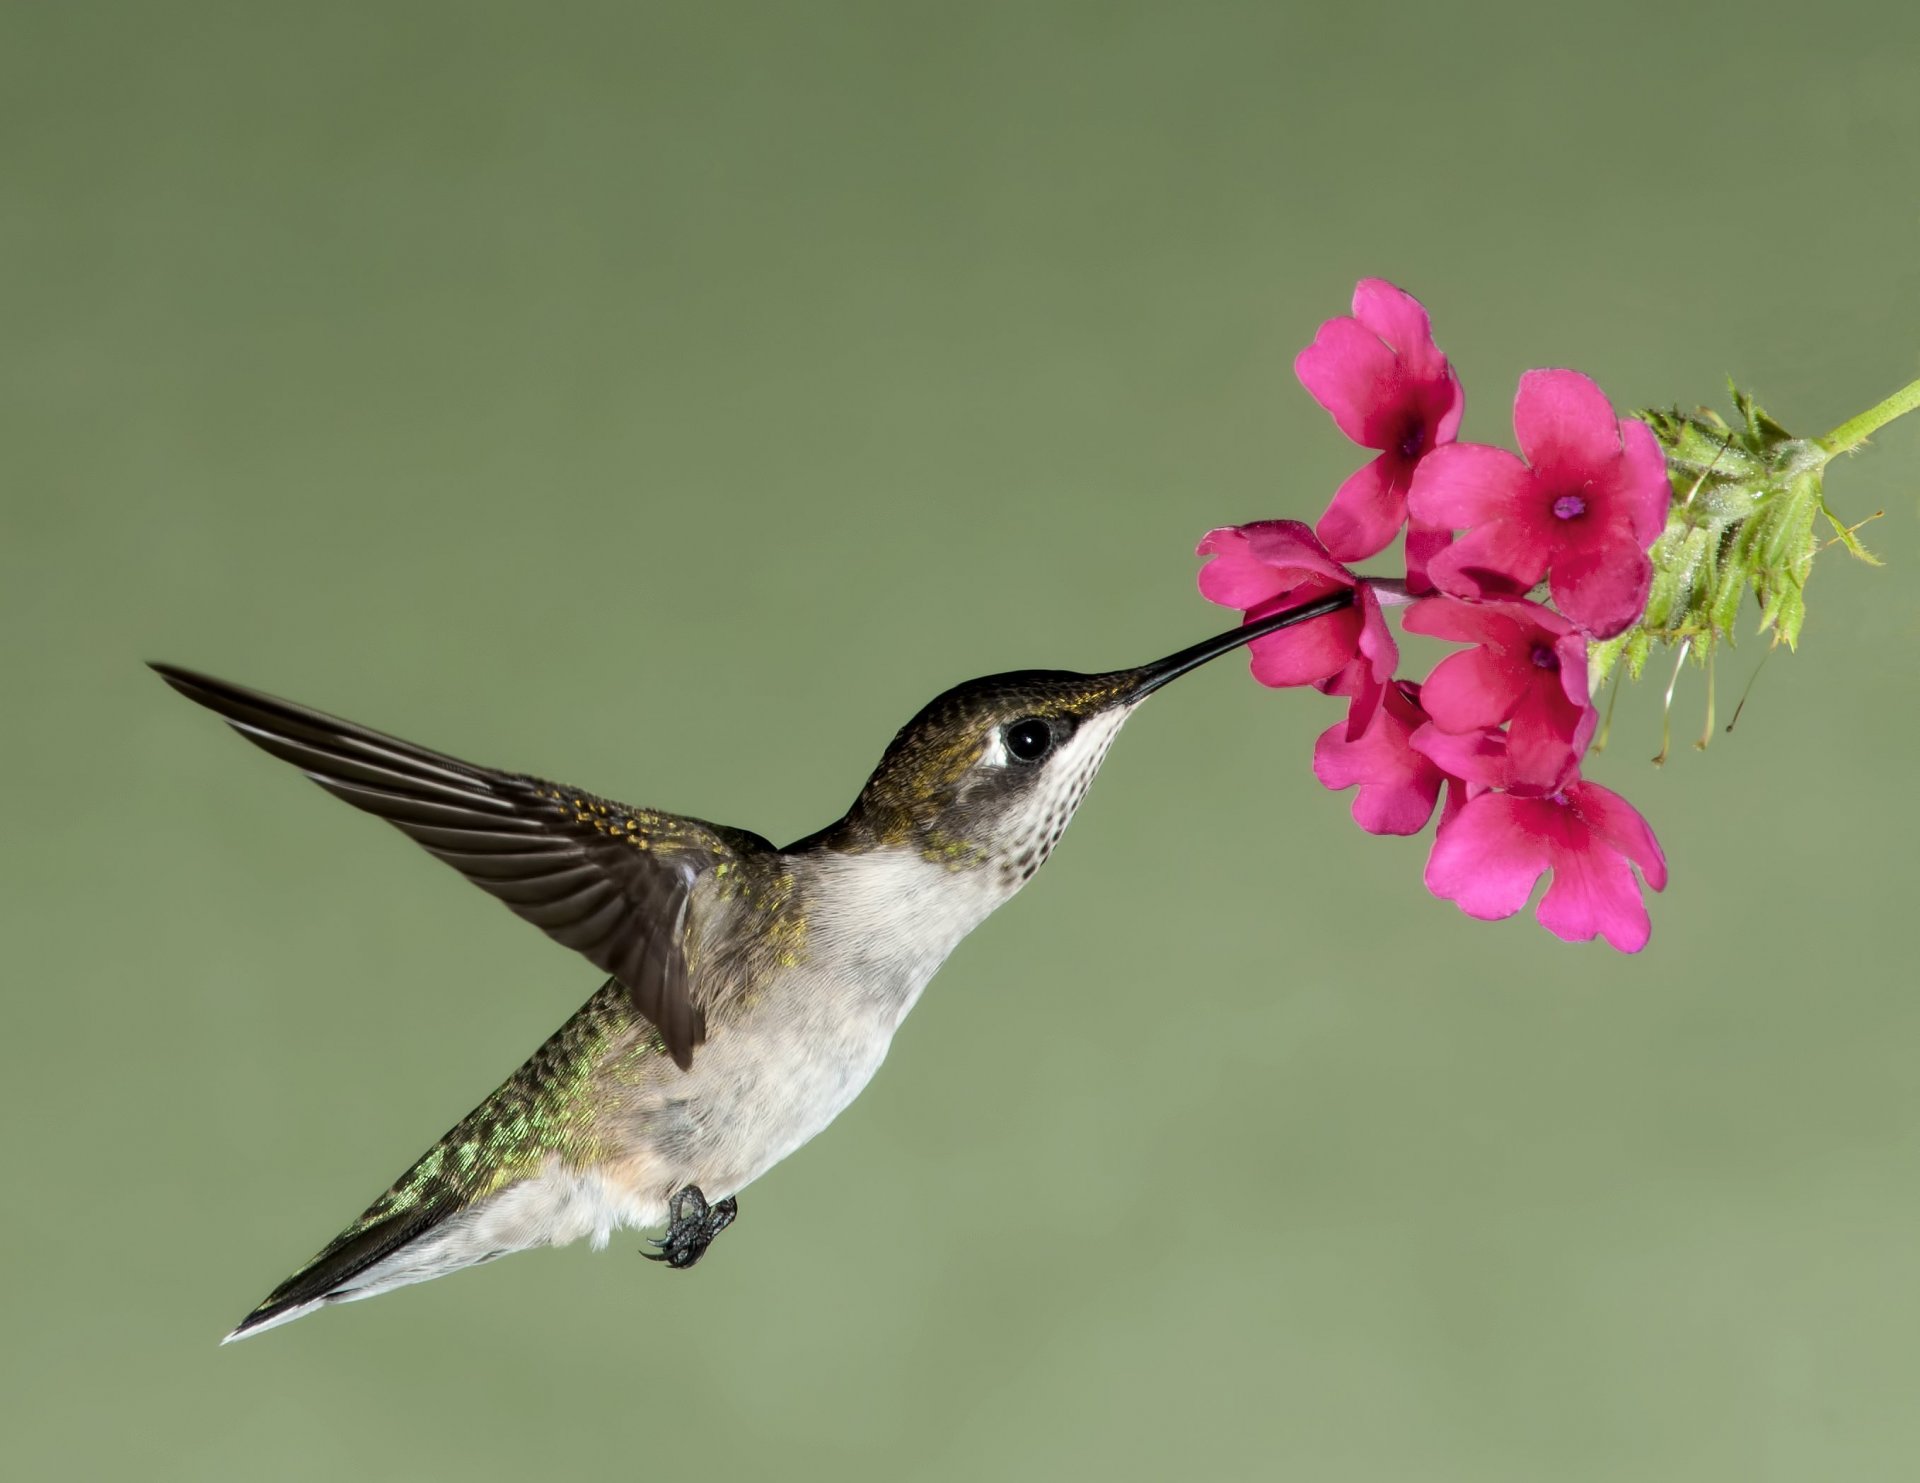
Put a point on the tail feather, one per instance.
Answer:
(488, 1187)
(329, 1278)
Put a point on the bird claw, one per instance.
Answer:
(692, 1228)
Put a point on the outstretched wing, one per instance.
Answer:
(609, 881)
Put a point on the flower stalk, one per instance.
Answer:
(1850, 434)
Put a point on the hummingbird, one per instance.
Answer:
(751, 992)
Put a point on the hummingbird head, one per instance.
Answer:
(991, 771)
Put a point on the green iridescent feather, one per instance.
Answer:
(541, 1111)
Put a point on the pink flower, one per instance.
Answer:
(1529, 669)
(1490, 855)
(1274, 564)
(1582, 511)
(1398, 786)
(1388, 387)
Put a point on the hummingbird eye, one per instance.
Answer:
(1030, 740)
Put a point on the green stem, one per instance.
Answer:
(1856, 430)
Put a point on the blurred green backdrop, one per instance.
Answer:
(671, 399)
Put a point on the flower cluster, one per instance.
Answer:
(1495, 735)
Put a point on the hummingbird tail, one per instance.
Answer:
(516, 1172)
(356, 1264)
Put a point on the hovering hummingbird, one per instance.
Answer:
(753, 991)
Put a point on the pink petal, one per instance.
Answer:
(1355, 679)
(1594, 894)
(1446, 424)
(1290, 545)
(1351, 372)
(1467, 484)
(1583, 731)
(1257, 563)
(1477, 758)
(1473, 690)
(1350, 680)
(1310, 652)
(1397, 808)
(1486, 859)
(1602, 588)
(1235, 578)
(1572, 653)
(1398, 786)
(1501, 623)
(1375, 642)
(1620, 824)
(1341, 760)
(1400, 319)
(1368, 510)
(1645, 491)
(1546, 739)
(1565, 425)
(1423, 544)
(1499, 559)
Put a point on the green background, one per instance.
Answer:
(670, 399)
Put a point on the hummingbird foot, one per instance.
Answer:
(693, 1227)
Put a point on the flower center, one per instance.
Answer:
(1569, 507)
(1544, 657)
(1413, 439)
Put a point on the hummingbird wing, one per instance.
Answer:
(610, 881)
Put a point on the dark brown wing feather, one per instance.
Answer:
(609, 881)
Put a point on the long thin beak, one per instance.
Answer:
(1153, 676)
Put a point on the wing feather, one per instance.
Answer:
(609, 881)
